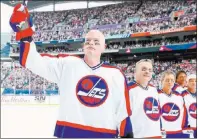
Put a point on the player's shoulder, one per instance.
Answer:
(184, 93)
(159, 91)
(152, 86)
(176, 93)
(68, 56)
(175, 86)
(132, 85)
(111, 67)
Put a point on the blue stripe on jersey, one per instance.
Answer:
(177, 135)
(128, 127)
(160, 122)
(95, 67)
(185, 118)
(176, 93)
(159, 91)
(30, 21)
(70, 132)
(131, 83)
(22, 49)
(175, 86)
(184, 92)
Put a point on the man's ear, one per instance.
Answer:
(105, 46)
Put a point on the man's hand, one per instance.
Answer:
(21, 22)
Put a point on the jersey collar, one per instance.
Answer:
(145, 88)
(168, 95)
(95, 67)
(192, 94)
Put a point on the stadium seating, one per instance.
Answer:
(128, 17)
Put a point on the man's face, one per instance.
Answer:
(94, 43)
(181, 79)
(168, 81)
(144, 72)
(192, 83)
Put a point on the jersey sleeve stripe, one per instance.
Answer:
(184, 121)
(122, 127)
(48, 55)
(132, 86)
(175, 87)
(184, 93)
(127, 98)
(24, 50)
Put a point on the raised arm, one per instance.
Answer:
(47, 67)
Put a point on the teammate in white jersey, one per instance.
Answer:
(180, 84)
(144, 102)
(94, 99)
(173, 111)
(190, 96)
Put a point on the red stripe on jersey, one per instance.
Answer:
(58, 56)
(127, 99)
(52, 56)
(154, 137)
(151, 85)
(122, 127)
(184, 117)
(132, 86)
(173, 132)
(83, 127)
(190, 128)
(25, 53)
(109, 66)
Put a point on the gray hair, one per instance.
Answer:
(168, 72)
(143, 60)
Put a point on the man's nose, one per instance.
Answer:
(91, 42)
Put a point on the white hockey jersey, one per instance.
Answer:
(145, 111)
(94, 101)
(191, 106)
(178, 88)
(173, 112)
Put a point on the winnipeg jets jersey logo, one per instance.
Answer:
(193, 110)
(151, 108)
(92, 90)
(170, 112)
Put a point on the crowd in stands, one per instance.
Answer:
(17, 77)
(152, 43)
(71, 24)
(127, 44)
(162, 24)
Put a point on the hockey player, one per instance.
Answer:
(144, 102)
(94, 99)
(180, 84)
(189, 96)
(173, 111)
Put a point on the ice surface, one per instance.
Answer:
(28, 121)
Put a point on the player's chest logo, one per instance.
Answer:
(170, 112)
(151, 108)
(92, 91)
(193, 110)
